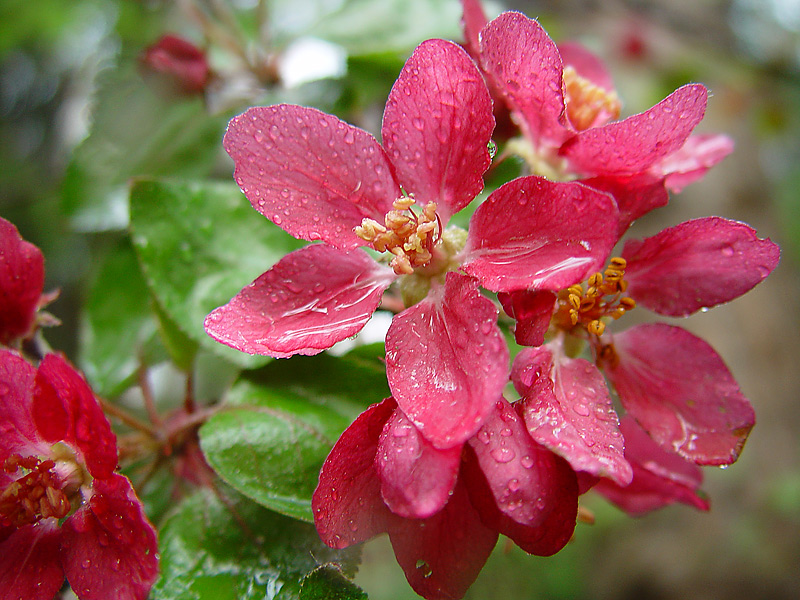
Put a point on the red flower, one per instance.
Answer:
(21, 283)
(63, 509)
(443, 509)
(177, 63)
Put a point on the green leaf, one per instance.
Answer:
(283, 420)
(328, 583)
(237, 550)
(199, 244)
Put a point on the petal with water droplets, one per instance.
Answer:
(693, 160)
(311, 299)
(21, 283)
(30, 567)
(636, 195)
(18, 433)
(532, 311)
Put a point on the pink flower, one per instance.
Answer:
(178, 64)
(565, 104)
(64, 512)
(21, 283)
(321, 179)
(443, 509)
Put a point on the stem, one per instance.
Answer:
(147, 394)
(188, 399)
(127, 418)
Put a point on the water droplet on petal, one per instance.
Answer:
(526, 461)
(503, 455)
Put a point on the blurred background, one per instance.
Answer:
(80, 115)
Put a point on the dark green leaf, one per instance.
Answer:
(328, 583)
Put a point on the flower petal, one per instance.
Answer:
(19, 433)
(521, 60)
(65, 408)
(586, 64)
(109, 548)
(416, 478)
(443, 554)
(693, 159)
(447, 361)
(311, 174)
(681, 393)
(347, 503)
(636, 195)
(631, 146)
(697, 264)
(472, 21)
(437, 125)
(535, 233)
(532, 312)
(308, 301)
(29, 562)
(21, 283)
(567, 408)
(660, 478)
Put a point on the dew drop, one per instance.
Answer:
(727, 251)
(86, 563)
(484, 436)
(526, 461)
(503, 455)
(505, 432)
(513, 485)
(581, 409)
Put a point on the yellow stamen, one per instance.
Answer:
(588, 104)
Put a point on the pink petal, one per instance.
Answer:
(310, 173)
(696, 264)
(21, 283)
(660, 478)
(681, 393)
(347, 503)
(519, 472)
(308, 301)
(416, 478)
(586, 64)
(442, 555)
(472, 21)
(693, 159)
(521, 60)
(19, 433)
(532, 311)
(109, 547)
(559, 512)
(65, 408)
(447, 361)
(630, 146)
(567, 408)
(29, 562)
(535, 233)
(437, 125)
(636, 195)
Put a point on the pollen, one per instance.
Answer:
(588, 104)
(407, 234)
(34, 496)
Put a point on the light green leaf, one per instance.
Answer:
(328, 583)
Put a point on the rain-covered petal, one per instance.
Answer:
(21, 283)
(693, 159)
(109, 548)
(65, 408)
(636, 195)
(634, 144)
(535, 233)
(29, 562)
(567, 408)
(532, 311)
(523, 62)
(447, 361)
(19, 434)
(660, 478)
(697, 264)
(680, 391)
(437, 125)
(347, 503)
(473, 19)
(443, 554)
(308, 301)
(416, 478)
(311, 174)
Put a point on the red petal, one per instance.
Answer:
(347, 503)
(310, 173)
(521, 60)
(693, 159)
(633, 145)
(568, 409)
(437, 125)
(636, 195)
(681, 393)
(181, 62)
(311, 299)
(586, 64)
(472, 21)
(442, 555)
(65, 408)
(109, 547)
(19, 433)
(696, 264)
(21, 283)
(447, 361)
(416, 478)
(534, 233)
(660, 478)
(532, 312)
(29, 562)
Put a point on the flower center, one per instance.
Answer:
(34, 496)
(586, 307)
(588, 104)
(408, 235)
